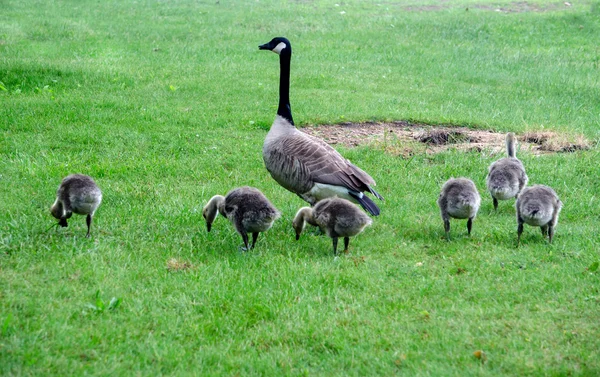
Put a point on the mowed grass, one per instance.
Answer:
(167, 103)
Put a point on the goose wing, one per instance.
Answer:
(311, 160)
(289, 171)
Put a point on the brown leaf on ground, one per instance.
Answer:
(479, 354)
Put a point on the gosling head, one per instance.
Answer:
(278, 45)
(211, 210)
(300, 219)
(58, 212)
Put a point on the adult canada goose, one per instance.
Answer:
(248, 210)
(306, 165)
(459, 199)
(336, 217)
(538, 206)
(78, 194)
(506, 177)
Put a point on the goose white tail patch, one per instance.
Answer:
(280, 46)
(321, 191)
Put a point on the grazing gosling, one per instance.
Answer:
(538, 206)
(78, 194)
(248, 210)
(336, 217)
(506, 177)
(459, 199)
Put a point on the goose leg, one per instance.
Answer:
(346, 243)
(254, 238)
(519, 230)
(88, 221)
(469, 225)
(495, 203)
(335, 241)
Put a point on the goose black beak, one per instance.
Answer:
(297, 237)
(63, 222)
(264, 47)
(208, 226)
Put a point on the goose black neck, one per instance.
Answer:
(285, 109)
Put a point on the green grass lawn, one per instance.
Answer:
(167, 103)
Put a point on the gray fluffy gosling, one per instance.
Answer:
(78, 194)
(306, 165)
(248, 210)
(538, 206)
(506, 177)
(459, 199)
(336, 217)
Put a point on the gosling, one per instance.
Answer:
(248, 210)
(78, 194)
(459, 199)
(336, 217)
(506, 177)
(538, 206)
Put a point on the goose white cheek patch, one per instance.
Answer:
(279, 47)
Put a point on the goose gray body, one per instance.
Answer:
(78, 194)
(306, 165)
(538, 205)
(459, 199)
(246, 208)
(506, 177)
(336, 217)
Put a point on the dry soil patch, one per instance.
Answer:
(406, 138)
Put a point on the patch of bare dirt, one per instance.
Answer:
(406, 138)
(552, 142)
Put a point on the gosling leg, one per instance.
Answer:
(346, 243)
(495, 203)
(245, 239)
(519, 230)
(254, 238)
(447, 228)
(469, 225)
(335, 241)
(88, 221)
(550, 232)
(544, 229)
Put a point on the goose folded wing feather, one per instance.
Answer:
(324, 164)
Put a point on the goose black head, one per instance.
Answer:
(277, 45)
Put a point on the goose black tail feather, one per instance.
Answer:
(372, 190)
(366, 203)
